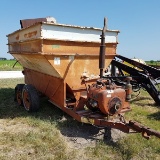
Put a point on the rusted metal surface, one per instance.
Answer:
(146, 132)
(102, 50)
(58, 50)
(68, 67)
(68, 47)
(55, 31)
(52, 87)
(30, 33)
(56, 47)
(26, 100)
(62, 62)
(106, 97)
(37, 62)
(28, 22)
(33, 46)
(57, 91)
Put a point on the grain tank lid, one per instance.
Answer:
(28, 22)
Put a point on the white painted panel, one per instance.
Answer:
(61, 32)
(76, 34)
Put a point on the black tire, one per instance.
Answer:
(18, 94)
(30, 98)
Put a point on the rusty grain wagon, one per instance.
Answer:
(66, 63)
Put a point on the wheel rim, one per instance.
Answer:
(26, 100)
(19, 97)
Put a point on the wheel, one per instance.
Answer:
(30, 98)
(18, 94)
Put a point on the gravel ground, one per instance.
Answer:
(11, 74)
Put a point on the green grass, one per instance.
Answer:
(153, 63)
(43, 135)
(7, 65)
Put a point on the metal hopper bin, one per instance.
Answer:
(62, 62)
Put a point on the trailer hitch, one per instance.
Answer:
(132, 127)
(146, 132)
(122, 125)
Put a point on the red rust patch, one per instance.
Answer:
(17, 37)
(30, 34)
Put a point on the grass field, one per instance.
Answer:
(7, 65)
(153, 63)
(47, 133)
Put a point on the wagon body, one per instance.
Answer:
(56, 57)
(63, 62)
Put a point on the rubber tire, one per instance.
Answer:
(18, 94)
(30, 98)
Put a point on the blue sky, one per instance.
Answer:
(137, 20)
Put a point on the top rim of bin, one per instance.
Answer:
(52, 21)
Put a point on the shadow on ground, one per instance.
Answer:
(48, 112)
(155, 116)
(76, 133)
(148, 101)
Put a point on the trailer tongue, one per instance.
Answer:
(62, 62)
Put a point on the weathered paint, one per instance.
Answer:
(65, 67)
(60, 56)
(33, 46)
(60, 47)
(62, 32)
(61, 62)
(62, 51)
(30, 33)
(54, 88)
(36, 62)
(74, 47)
